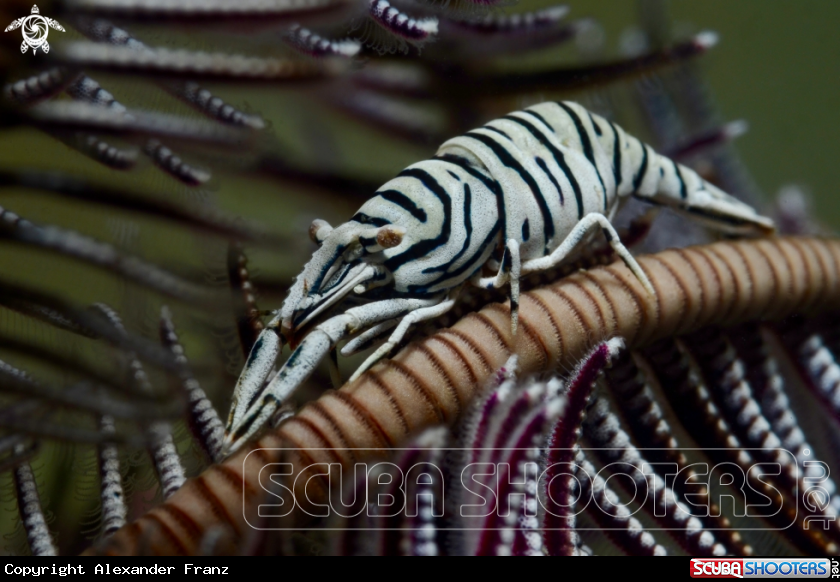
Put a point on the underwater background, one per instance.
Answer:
(775, 67)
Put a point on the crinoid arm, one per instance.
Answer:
(307, 42)
(389, 30)
(23, 47)
(14, 25)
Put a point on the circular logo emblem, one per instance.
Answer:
(35, 30)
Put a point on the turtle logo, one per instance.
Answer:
(35, 30)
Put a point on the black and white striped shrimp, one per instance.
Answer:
(515, 196)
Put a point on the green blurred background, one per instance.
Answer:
(777, 66)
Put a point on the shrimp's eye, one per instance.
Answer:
(389, 236)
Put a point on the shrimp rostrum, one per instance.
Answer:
(515, 196)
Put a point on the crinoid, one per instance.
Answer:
(159, 169)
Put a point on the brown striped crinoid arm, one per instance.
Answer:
(433, 380)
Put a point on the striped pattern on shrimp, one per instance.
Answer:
(515, 196)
